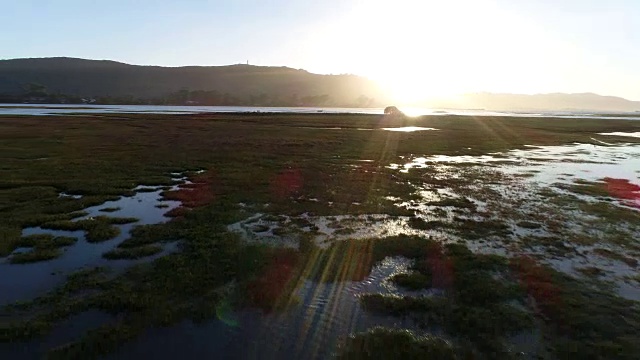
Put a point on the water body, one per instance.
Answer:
(325, 314)
(553, 168)
(21, 282)
(61, 109)
(625, 134)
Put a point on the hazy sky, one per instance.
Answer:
(415, 48)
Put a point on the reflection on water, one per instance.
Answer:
(408, 129)
(311, 329)
(435, 160)
(583, 161)
(21, 282)
(550, 164)
(65, 195)
(532, 192)
(626, 134)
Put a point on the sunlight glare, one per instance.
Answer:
(421, 49)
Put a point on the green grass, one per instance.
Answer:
(148, 234)
(474, 229)
(98, 229)
(35, 255)
(529, 225)
(421, 224)
(591, 271)
(477, 306)
(412, 281)
(611, 213)
(383, 343)
(582, 322)
(101, 232)
(44, 241)
(43, 247)
(453, 202)
(553, 245)
(595, 189)
(616, 256)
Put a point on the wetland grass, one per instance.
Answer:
(35, 255)
(273, 159)
(462, 203)
(421, 224)
(582, 321)
(133, 253)
(44, 241)
(142, 235)
(98, 229)
(477, 306)
(616, 256)
(43, 247)
(383, 343)
(412, 281)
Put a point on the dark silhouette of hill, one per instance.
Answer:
(248, 84)
(71, 80)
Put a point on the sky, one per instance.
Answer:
(413, 48)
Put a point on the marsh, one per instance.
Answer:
(259, 234)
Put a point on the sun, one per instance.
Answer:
(423, 49)
(421, 46)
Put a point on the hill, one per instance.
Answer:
(72, 80)
(537, 102)
(234, 84)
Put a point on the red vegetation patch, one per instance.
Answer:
(539, 284)
(200, 193)
(178, 212)
(286, 183)
(623, 189)
(441, 266)
(272, 287)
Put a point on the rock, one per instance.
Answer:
(393, 111)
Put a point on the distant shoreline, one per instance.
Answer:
(71, 109)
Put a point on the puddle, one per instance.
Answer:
(24, 281)
(580, 161)
(285, 231)
(142, 206)
(408, 129)
(626, 134)
(438, 160)
(323, 314)
(510, 187)
(320, 315)
(549, 164)
(65, 195)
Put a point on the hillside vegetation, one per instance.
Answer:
(53, 79)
